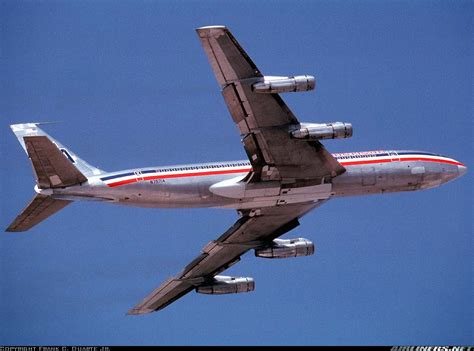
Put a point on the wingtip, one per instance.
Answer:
(212, 27)
(208, 31)
(132, 312)
(138, 311)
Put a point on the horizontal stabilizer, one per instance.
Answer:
(52, 167)
(37, 211)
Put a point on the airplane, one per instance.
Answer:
(288, 173)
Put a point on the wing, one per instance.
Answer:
(263, 119)
(250, 231)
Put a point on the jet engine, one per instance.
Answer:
(275, 84)
(314, 131)
(285, 248)
(227, 285)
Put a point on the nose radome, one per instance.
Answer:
(462, 170)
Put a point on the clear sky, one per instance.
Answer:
(132, 87)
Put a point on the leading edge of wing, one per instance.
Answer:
(245, 234)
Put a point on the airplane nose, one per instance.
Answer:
(462, 170)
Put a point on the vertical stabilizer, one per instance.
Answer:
(23, 130)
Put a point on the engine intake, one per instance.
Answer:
(227, 285)
(313, 131)
(275, 85)
(281, 248)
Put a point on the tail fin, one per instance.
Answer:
(54, 166)
(35, 141)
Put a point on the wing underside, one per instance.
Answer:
(247, 233)
(262, 119)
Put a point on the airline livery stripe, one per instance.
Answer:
(117, 176)
(180, 175)
(401, 159)
(449, 162)
(394, 158)
(364, 162)
(416, 153)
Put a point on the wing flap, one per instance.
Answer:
(40, 208)
(236, 107)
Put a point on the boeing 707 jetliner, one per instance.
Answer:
(288, 173)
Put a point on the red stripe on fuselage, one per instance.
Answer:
(407, 159)
(179, 175)
(449, 162)
(230, 171)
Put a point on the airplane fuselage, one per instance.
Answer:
(215, 184)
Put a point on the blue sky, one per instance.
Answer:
(132, 86)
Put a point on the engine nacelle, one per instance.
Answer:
(314, 131)
(227, 285)
(275, 85)
(285, 248)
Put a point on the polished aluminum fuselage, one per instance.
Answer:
(372, 172)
